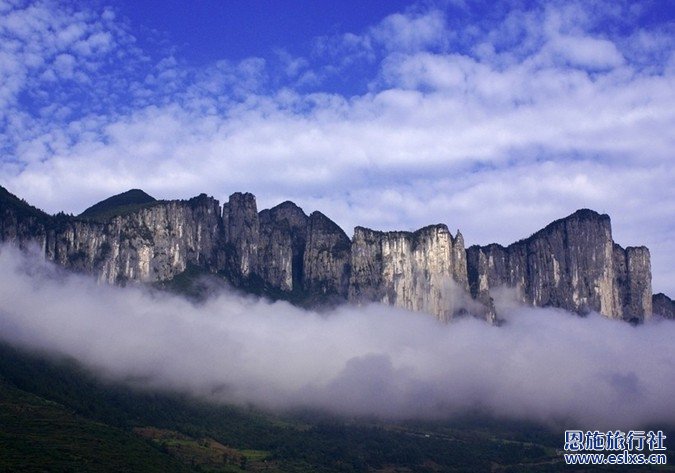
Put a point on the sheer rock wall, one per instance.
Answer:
(573, 263)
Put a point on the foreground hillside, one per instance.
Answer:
(55, 417)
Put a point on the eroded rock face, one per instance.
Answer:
(663, 306)
(572, 264)
(283, 235)
(326, 262)
(422, 271)
(242, 234)
(632, 282)
(152, 244)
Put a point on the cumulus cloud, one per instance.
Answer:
(46, 45)
(587, 52)
(496, 124)
(542, 365)
(411, 32)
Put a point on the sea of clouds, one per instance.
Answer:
(543, 365)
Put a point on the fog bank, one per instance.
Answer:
(542, 365)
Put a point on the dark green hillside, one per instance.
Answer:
(37, 435)
(20, 207)
(119, 204)
(56, 417)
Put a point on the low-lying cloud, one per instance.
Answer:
(542, 365)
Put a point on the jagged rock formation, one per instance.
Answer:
(573, 263)
(663, 305)
(282, 249)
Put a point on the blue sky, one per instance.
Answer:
(210, 30)
(493, 117)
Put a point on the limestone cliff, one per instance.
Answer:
(283, 235)
(632, 282)
(241, 234)
(422, 271)
(663, 306)
(152, 243)
(326, 260)
(573, 263)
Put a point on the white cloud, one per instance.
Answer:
(411, 32)
(543, 365)
(98, 43)
(64, 64)
(70, 34)
(588, 53)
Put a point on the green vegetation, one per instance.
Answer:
(207, 454)
(20, 208)
(121, 204)
(54, 416)
(195, 283)
(37, 434)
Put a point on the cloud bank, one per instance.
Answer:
(542, 365)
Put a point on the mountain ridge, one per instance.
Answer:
(572, 263)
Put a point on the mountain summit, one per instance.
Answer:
(118, 204)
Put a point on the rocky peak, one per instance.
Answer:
(286, 211)
(283, 234)
(663, 306)
(326, 260)
(572, 263)
(242, 233)
(459, 238)
(422, 270)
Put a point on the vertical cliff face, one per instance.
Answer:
(326, 259)
(459, 262)
(573, 264)
(151, 244)
(283, 235)
(367, 266)
(632, 278)
(422, 271)
(663, 306)
(242, 234)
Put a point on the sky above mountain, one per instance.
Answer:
(494, 117)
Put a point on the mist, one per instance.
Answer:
(543, 365)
